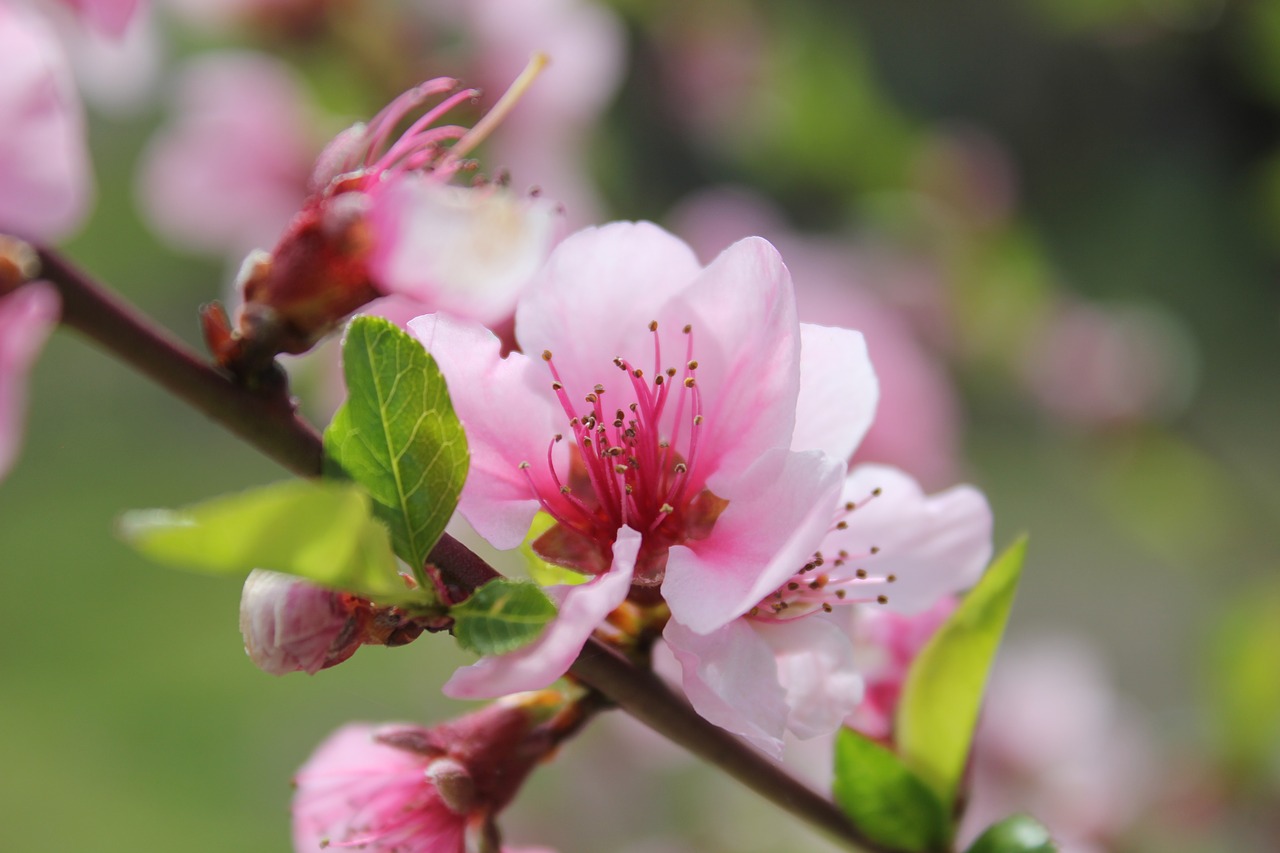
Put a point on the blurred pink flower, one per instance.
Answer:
(728, 466)
(109, 17)
(27, 315)
(917, 425)
(887, 643)
(399, 788)
(290, 625)
(1056, 741)
(775, 669)
(231, 168)
(544, 141)
(1097, 366)
(44, 167)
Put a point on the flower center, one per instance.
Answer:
(820, 585)
(632, 463)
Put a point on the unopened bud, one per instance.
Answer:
(290, 625)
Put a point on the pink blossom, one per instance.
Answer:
(376, 194)
(404, 788)
(887, 644)
(27, 315)
(242, 117)
(44, 166)
(1098, 366)
(545, 136)
(788, 663)
(109, 17)
(290, 625)
(727, 465)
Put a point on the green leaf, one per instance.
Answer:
(502, 616)
(943, 691)
(324, 532)
(885, 799)
(397, 435)
(1017, 834)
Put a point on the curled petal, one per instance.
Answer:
(583, 607)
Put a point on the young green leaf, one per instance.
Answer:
(397, 435)
(943, 691)
(323, 532)
(502, 616)
(885, 799)
(1017, 834)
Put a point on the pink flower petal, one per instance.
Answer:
(230, 169)
(26, 317)
(934, 545)
(778, 513)
(469, 251)
(731, 679)
(838, 391)
(597, 294)
(816, 669)
(583, 607)
(109, 17)
(44, 165)
(508, 420)
(746, 340)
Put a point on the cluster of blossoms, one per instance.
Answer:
(685, 438)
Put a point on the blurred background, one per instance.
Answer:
(1057, 221)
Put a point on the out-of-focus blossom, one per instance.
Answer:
(692, 412)
(917, 425)
(787, 666)
(545, 136)
(109, 17)
(290, 625)
(408, 788)
(373, 195)
(231, 169)
(971, 173)
(44, 167)
(886, 643)
(468, 251)
(116, 73)
(1098, 366)
(1055, 741)
(27, 315)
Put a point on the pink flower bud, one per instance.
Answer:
(290, 625)
(402, 787)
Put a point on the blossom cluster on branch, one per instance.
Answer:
(673, 451)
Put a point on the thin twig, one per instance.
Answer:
(270, 424)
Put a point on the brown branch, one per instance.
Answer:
(269, 423)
